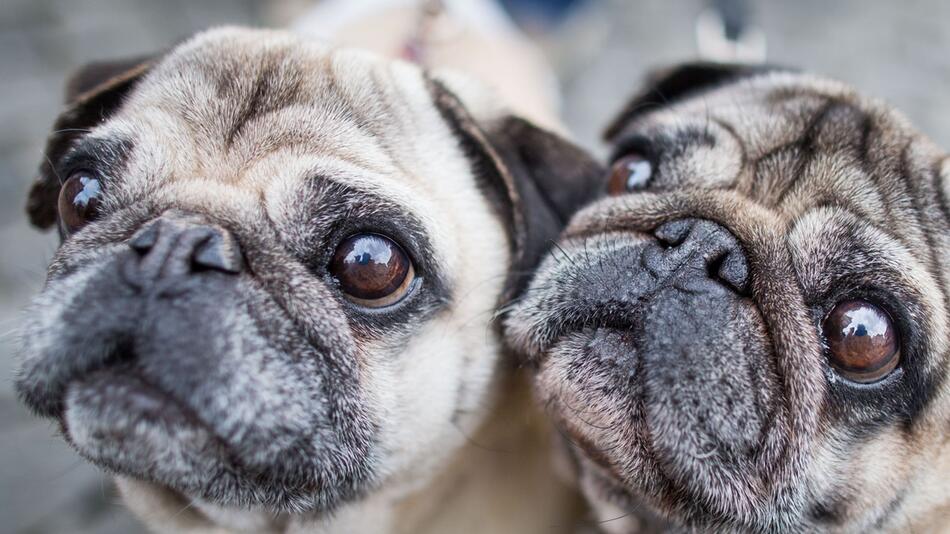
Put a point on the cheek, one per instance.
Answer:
(164, 149)
(431, 394)
(50, 309)
(589, 395)
(437, 388)
(859, 481)
(882, 469)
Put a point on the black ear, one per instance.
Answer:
(668, 86)
(536, 179)
(92, 94)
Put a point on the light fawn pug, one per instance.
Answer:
(272, 307)
(750, 333)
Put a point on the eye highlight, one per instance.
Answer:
(863, 344)
(629, 173)
(372, 270)
(79, 199)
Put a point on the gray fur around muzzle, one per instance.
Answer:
(168, 360)
(650, 344)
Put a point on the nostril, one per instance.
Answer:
(704, 245)
(218, 253)
(176, 246)
(122, 353)
(146, 239)
(730, 268)
(673, 233)
(734, 270)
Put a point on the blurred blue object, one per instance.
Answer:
(540, 13)
(735, 16)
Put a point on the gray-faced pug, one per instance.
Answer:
(751, 332)
(272, 305)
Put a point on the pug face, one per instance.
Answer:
(279, 268)
(750, 333)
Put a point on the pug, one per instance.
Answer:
(273, 304)
(750, 333)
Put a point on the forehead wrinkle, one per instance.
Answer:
(829, 179)
(331, 79)
(384, 107)
(807, 233)
(336, 68)
(835, 173)
(392, 130)
(926, 228)
(371, 99)
(162, 150)
(301, 131)
(413, 116)
(805, 144)
(757, 115)
(317, 127)
(228, 90)
(399, 105)
(405, 112)
(942, 168)
(941, 177)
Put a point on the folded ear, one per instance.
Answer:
(92, 94)
(667, 86)
(534, 178)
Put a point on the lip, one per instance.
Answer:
(120, 387)
(119, 420)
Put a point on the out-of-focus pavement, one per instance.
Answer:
(895, 50)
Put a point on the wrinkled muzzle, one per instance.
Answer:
(656, 362)
(167, 359)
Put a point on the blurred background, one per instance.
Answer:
(600, 49)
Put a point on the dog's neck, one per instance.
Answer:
(502, 480)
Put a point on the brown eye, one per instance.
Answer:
(629, 173)
(372, 269)
(79, 199)
(862, 341)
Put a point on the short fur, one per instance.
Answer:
(265, 398)
(676, 335)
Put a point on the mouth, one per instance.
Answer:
(122, 422)
(118, 418)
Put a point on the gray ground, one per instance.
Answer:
(896, 50)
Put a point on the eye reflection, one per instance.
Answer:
(862, 341)
(629, 173)
(79, 200)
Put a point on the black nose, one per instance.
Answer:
(703, 242)
(178, 245)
